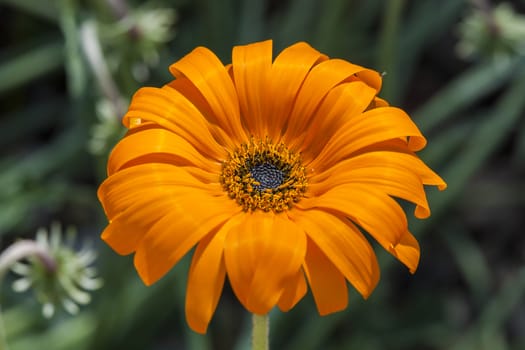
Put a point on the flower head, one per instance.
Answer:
(272, 168)
(497, 32)
(64, 280)
(137, 37)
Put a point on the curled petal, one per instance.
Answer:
(407, 251)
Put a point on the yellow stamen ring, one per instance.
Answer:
(263, 175)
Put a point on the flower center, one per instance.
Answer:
(263, 175)
(268, 175)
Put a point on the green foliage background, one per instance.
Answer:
(469, 290)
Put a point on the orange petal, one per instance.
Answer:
(251, 71)
(160, 200)
(376, 212)
(206, 278)
(210, 77)
(141, 203)
(149, 182)
(370, 77)
(326, 282)
(407, 251)
(379, 102)
(344, 245)
(363, 130)
(342, 103)
(412, 161)
(121, 237)
(262, 254)
(173, 235)
(154, 144)
(319, 81)
(170, 109)
(294, 290)
(394, 173)
(128, 227)
(185, 87)
(132, 217)
(289, 70)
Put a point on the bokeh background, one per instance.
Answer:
(68, 69)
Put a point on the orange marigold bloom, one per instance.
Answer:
(271, 168)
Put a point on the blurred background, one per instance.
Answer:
(68, 69)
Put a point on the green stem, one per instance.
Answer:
(260, 335)
(95, 58)
(76, 74)
(3, 338)
(389, 42)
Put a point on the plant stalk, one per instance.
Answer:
(260, 333)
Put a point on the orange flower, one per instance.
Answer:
(271, 169)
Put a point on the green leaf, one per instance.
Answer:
(23, 68)
(332, 28)
(251, 21)
(444, 145)
(469, 258)
(25, 123)
(216, 21)
(420, 30)
(388, 55)
(75, 67)
(40, 8)
(469, 87)
(18, 320)
(477, 148)
(71, 333)
(295, 24)
(486, 332)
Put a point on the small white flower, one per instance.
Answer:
(67, 282)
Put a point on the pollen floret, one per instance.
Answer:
(263, 175)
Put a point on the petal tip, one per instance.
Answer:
(407, 251)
